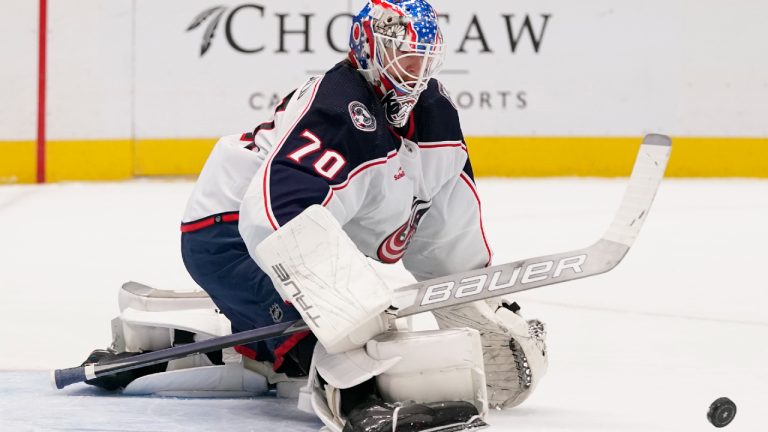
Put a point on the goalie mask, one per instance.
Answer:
(397, 45)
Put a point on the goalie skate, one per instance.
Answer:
(514, 350)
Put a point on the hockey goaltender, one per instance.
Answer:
(365, 161)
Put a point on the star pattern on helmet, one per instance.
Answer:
(423, 18)
(410, 26)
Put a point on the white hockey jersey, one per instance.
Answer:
(399, 194)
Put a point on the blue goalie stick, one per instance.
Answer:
(458, 288)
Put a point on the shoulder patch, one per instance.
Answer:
(444, 92)
(361, 117)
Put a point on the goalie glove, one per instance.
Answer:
(514, 350)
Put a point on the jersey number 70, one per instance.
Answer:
(327, 165)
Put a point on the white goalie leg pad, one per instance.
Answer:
(431, 366)
(350, 368)
(339, 371)
(137, 331)
(148, 318)
(436, 366)
(142, 297)
(197, 377)
(316, 267)
(514, 350)
(322, 400)
(287, 387)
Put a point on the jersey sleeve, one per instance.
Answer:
(451, 238)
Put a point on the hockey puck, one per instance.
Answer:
(721, 412)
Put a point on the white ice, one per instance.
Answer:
(646, 347)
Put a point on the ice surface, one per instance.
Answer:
(27, 402)
(646, 347)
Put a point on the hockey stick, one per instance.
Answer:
(531, 273)
(463, 287)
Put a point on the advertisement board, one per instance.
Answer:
(150, 80)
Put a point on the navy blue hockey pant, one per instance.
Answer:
(217, 259)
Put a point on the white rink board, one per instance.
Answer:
(599, 69)
(18, 70)
(89, 69)
(130, 69)
(180, 93)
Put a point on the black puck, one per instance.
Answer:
(721, 412)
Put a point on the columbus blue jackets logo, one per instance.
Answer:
(361, 117)
(393, 247)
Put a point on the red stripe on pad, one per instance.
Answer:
(246, 352)
(286, 346)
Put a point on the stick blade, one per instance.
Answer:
(650, 165)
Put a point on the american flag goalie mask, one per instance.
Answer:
(397, 45)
